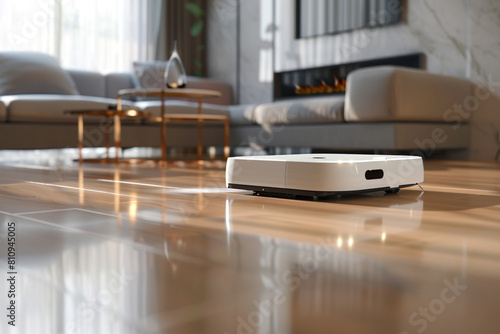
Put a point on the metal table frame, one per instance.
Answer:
(197, 94)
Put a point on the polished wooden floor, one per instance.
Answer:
(142, 249)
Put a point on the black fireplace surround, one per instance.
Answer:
(318, 81)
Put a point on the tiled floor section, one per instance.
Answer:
(105, 249)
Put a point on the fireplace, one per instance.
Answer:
(331, 80)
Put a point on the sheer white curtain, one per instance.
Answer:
(99, 35)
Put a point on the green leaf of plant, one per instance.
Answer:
(197, 28)
(194, 9)
(198, 73)
(198, 63)
(201, 47)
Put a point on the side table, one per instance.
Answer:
(199, 95)
(107, 114)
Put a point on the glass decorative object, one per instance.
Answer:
(175, 75)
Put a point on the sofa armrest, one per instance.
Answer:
(390, 93)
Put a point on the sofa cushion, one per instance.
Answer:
(50, 108)
(3, 112)
(241, 114)
(300, 111)
(89, 83)
(33, 73)
(389, 93)
(180, 107)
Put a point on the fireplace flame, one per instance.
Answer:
(338, 87)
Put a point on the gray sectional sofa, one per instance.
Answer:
(384, 109)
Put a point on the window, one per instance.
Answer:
(97, 35)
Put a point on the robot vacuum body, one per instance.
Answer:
(322, 175)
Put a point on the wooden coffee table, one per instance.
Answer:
(107, 114)
(198, 94)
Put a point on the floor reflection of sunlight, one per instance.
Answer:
(68, 156)
(57, 157)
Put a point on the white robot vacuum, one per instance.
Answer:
(323, 175)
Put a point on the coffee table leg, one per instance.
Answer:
(80, 138)
(117, 127)
(200, 130)
(163, 130)
(118, 135)
(226, 138)
(106, 138)
(163, 140)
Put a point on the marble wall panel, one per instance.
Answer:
(485, 70)
(222, 41)
(256, 40)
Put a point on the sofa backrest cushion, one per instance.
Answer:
(33, 73)
(89, 83)
(117, 81)
(388, 93)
